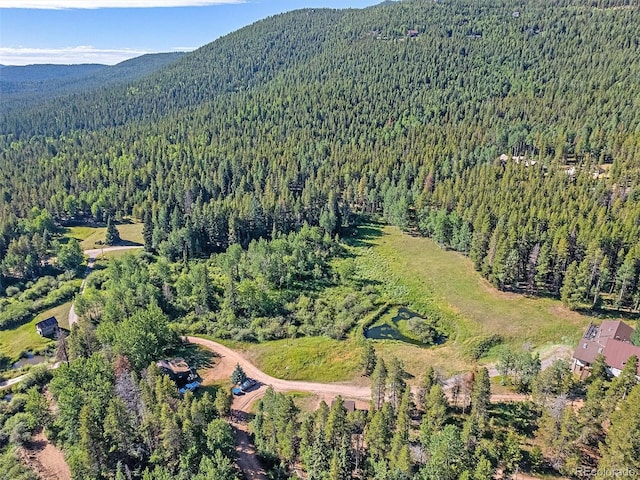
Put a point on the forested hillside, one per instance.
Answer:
(25, 86)
(507, 130)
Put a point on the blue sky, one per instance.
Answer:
(110, 31)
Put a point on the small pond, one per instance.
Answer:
(385, 331)
(390, 330)
(29, 359)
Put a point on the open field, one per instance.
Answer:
(88, 236)
(25, 338)
(318, 359)
(448, 279)
(424, 277)
(416, 273)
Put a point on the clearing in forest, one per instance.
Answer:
(428, 278)
(130, 233)
(415, 273)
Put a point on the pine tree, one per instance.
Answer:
(481, 397)
(112, 236)
(320, 461)
(238, 376)
(620, 451)
(378, 435)
(336, 426)
(599, 369)
(429, 379)
(396, 383)
(223, 401)
(591, 415)
(435, 415)
(147, 231)
(379, 384)
(447, 456)
(511, 455)
(401, 436)
(369, 359)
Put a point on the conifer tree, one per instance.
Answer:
(435, 415)
(620, 450)
(369, 359)
(112, 236)
(396, 383)
(379, 384)
(481, 397)
(147, 231)
(238, 376)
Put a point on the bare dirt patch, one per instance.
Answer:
(45, 459)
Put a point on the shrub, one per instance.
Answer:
(20, 434)
(479, 348)
(12, 290)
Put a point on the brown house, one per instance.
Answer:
(177, 369)
(612, 339)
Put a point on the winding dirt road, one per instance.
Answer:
(229, 358)
(326, 391)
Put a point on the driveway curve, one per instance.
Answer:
(231, 358)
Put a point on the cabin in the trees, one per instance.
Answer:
(48, 327)
(349, 405)
(413, 33)
(177, 368)
(612, 339)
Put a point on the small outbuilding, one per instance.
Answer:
(48, 327)
(177, 369)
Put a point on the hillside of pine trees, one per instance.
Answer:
(506, 130)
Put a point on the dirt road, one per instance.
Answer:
(327, 391)
(231, 358)
(45, 458)
(228, 359)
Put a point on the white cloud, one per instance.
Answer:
(66, 56)
(93, 4)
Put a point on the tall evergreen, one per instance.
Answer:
(112, 236)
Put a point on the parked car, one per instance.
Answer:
(237, 391)
(189, 387)
(246, 386)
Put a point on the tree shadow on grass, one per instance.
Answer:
(196, 356)
(517, 415)
(363, 235)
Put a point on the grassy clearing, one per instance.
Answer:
(414, 272)
(61, 312)
(22, 339)
(88, 236)
(319, 359)
(479, 308)
(424, 277)
(25, 338)
(305, 401)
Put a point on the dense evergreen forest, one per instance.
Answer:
(505, 130)
(24, 86)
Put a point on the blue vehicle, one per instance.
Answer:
(237, 391)
(244, 387)
(189, 387)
